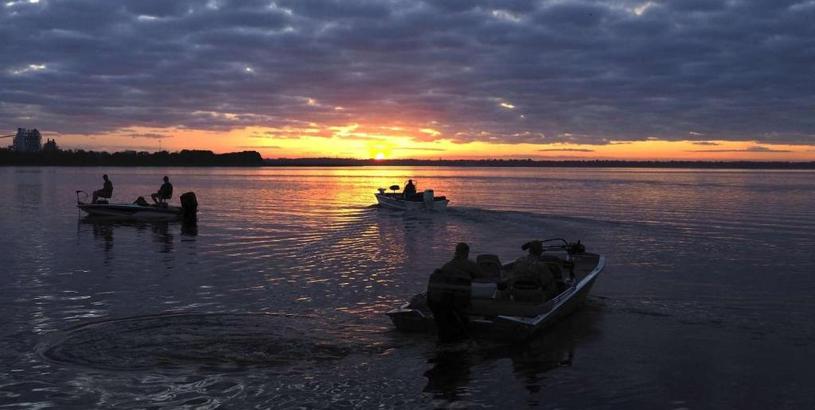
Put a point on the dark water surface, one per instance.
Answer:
(276, 298)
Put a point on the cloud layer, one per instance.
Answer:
(509, 71)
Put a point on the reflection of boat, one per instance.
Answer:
(501, 313)
(452, 365)
(420, 201)
(142, 211)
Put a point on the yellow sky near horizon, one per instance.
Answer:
(354, 141)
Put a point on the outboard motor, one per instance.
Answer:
(427, 197)
(189, 203)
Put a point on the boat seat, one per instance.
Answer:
(555, 269)
(490, 265)
(527, 291)
(481, 290)
(526, 286)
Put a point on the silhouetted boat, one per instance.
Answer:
(420, 201)
(493, 313)
(187, 210)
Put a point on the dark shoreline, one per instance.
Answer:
(199, 158)
(529, 163)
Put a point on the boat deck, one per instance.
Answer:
(497, 305)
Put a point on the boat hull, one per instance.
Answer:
(394, 202)
(409, 318)
(132, 211)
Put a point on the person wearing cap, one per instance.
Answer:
(105, 192)
(531, 273)
(448, 293)
(164, 193)
(410, 190)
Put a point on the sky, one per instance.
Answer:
(566, 79)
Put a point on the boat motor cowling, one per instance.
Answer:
(427, 197)
(189, 203)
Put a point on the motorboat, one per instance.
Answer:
(501, 313)
(140, 209)
(425, 200)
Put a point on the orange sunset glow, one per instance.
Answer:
(353, 141)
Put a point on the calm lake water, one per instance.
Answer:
(276, 298)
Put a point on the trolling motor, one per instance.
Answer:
(575, 248)
(572, 248)
(84, 195)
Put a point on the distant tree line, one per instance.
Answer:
(202, 158)
(350, 162)
(131, 158)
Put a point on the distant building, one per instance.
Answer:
(27, 140)
(50, 146)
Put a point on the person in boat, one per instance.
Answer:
(410, 190)
(164, 193)
(448, 293)
(105, 192)
(531, 277)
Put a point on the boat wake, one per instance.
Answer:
(223, 341)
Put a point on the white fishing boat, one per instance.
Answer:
(498, 313)
(425, 200)
(140, 210)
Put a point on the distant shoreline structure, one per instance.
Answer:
(81, 158)
(203, 158)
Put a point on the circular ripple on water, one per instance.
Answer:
(210, 340)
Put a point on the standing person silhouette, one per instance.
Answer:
(448, 294)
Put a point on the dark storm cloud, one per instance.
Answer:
(566, 150)
(259, 146)
(148, 135)
(517, 71)
(755, 148)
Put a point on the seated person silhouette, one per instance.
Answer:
(106, 191)
(410, 190)
(531, 279)
(164, 193)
